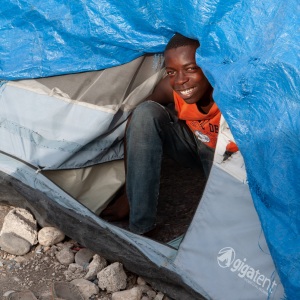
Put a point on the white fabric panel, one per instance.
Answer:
(235, 165)
(46, 130)
(75, 120)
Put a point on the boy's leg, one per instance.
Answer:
(153, 131)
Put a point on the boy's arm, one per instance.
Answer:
(162, 93)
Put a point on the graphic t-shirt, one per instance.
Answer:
(204, 126)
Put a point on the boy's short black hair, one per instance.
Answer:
(179, 40)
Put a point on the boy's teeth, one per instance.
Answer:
(186, 92)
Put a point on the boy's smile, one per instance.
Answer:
(186, 78)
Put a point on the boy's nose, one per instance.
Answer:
(181, 78)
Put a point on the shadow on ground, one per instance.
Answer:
(180, 193)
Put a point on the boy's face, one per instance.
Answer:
(186, 78)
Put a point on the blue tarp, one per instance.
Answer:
(249, 51)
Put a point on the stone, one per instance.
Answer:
(141, 281)
(6, 294)
(75, 268)
(132, 294)
(49, 236)
(151, 294)
(131, 281)
(20, 259)
(87, 288)
(144, 288)
(65, 256)
(84, 256)
(65, 290)
(46, 295)
(20, 222)
(112, 278)
(74, 272)
(13, 244)
(159, 296)
(25, 295)
(97, 264)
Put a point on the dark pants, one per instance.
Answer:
(155, 130)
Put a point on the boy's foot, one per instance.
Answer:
(153, 233)
(117, 210)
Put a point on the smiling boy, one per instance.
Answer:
(188, 135)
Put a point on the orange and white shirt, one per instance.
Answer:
(204, 126)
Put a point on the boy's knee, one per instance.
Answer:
(148, 108)
(148, 111)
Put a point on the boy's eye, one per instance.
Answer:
(191, 69)
(170, 73)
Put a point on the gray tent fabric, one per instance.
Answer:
(225, 248)
(93, 186)
(223, 254)
(85, 117)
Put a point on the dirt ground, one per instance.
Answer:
(31, 271)
(179, 196)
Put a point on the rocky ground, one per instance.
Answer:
(51, 258)
(54, 263)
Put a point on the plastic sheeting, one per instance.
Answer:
(249, 51)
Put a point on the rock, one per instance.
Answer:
(20, 259)
(50, 263)
(66, 291)
(49, 236)
(112, 278)
(46, 295)
(65, 256)
(140, 281)
(84, 256)
(47, 248)
(97, 264)
(75, 268)
(6, 294)
(132, 294)
(87, 288)
(159, 296)
(151, 294)
(104, 297)
(20, 222)
(74, 272)
(146, 289)
(13, 244)
(39, 249)
(22, 295)
(131, 281)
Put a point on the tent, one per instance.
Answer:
(246, 228)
